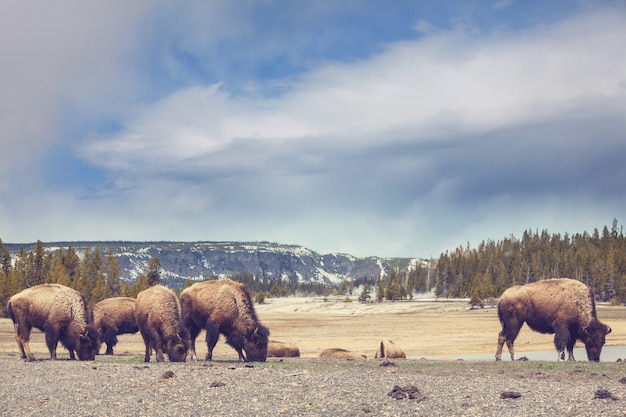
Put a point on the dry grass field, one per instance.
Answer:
(421, 328)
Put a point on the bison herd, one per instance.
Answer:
(169, 326)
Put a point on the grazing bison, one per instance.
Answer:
(224, 307)
(115, 316)
(338, 353)
(278, 349)
(157, 313)
(58, 311)
(390, 350)
(565, 307)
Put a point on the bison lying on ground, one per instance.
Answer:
(58, 311)
(388, 349)
(338, 353)
(565, 307)
(278, 349)
(224, 307)
(114, 316)
(157, 313)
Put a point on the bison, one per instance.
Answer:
(115, 316)
(157, 314)
(338, 353)
(278, 349)
(58, 311)
(388, 349)
(224, 307)
(565, 307)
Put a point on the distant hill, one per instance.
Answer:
(199, 260)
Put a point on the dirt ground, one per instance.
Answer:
(420, 328)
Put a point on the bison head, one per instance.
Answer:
(594, 338)
(177, 347)
(255, 344)
(88, 344)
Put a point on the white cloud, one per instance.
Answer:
(439, 85)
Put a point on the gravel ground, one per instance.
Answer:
(124, 385)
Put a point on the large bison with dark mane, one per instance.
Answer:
(565, 307)
(157, 313)
(58, 311)
(115, 316)
(225, 307)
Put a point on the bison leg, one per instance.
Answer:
(212, 334)
(570, 349)
(147, 342)
(508, 334)
(22, 337)
(52, 340)
(194, 331)
(562, 340)
(157, 344)
(110, 338)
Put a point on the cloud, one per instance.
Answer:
(502, 4)
(408, 149)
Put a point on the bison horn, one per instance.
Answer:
(256, 332)
(608, 330)
(86, 333)
(179, 338)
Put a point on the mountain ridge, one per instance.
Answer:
(199, 260)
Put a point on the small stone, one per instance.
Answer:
(167, 375)
(216, 384)
(603, 394)
(510, 394)
(411, 392)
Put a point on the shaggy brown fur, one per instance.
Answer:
(115, 316)
(278, 349)
(388, 349)
(565, 307)
(58, 311)
(224, 307)
(338, 353)
(157, 313)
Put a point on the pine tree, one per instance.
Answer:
(100, 291)
(365, 296)
(140, 285)
(127, 290)
(58, 274)
(72, 264)
(37, 264)
(153, 273)
(113, 275)
(380, 290)
(5, 259)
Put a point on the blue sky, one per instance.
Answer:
(400, 128)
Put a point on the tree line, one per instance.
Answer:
(484, 272)
(597, 259)
(94, 274)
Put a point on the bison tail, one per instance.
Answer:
(500, 315)
(10, 312)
